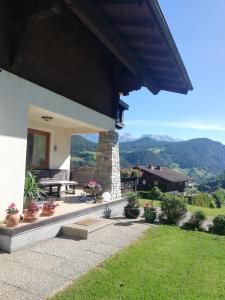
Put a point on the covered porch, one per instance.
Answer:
(40, 138)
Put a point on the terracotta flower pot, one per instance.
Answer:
(30, 215)
(12, 220)
(48, 211)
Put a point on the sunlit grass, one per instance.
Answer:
(166, 263)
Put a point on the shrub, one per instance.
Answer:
(219, 197)
(133, 200)
(144, 194)
(203, 199)
(132, 210)
(218, 226)
(173, 209)
(150, 213)
(195, 221)
(155, 194)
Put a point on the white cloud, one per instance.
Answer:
(185, 125)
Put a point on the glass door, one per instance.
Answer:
(38, 143)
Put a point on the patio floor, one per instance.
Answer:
(68, 203)
(41, 270)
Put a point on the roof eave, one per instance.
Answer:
(154, 5)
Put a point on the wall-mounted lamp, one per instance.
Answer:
(47, 118)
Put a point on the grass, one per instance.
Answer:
(209, 212)
(166, 263)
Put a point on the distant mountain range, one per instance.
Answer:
(199, 158)
(128, 137)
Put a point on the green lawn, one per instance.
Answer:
(210, 212)
(166, 263)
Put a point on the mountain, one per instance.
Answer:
(91, 137)
(80, 144)
(163, 138)
(126, 137)
(199, 158)
(145, 143)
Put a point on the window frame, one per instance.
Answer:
(45, 165)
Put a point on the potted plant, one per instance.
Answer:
(12, 218)
(132, 210)
(32, 190)
(150, 212)
(48, 208)
(31, 213)
(93, 188)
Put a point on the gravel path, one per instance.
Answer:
(45, 268)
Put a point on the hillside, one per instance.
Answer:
(199, 158)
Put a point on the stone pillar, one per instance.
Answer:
(108, 163)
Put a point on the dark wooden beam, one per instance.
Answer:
(152, 52)
(165, 80)
(27, 8)
(96, 22)
(164, 72)
(153, 62)
(90, 15)
(118, 2)
(143, 40)
(19, 39)
(5, 31)
(133, 23)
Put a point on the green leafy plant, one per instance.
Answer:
(133, 200)
(150, 212)
(195, 221)
(203, 199)
(218, 226)
(132, 210)
(155, 194)
(32, 190)
(172, 210)
(219, 197)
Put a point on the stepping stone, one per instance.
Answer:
(81, 228)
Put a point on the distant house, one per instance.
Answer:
(166, 179)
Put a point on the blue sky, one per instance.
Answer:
(198, 27)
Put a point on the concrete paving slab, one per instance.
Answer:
(37, 260)
(46, 267)
(25, 277)
(18, 294)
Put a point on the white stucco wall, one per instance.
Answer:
(16, 96)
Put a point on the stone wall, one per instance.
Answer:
(108, 163)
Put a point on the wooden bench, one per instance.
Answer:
(55, 178)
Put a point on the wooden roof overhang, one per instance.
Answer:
(134, 31)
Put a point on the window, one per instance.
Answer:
(38, 149)
(156, 183)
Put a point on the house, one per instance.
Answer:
(166, 179)
(64, 65)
